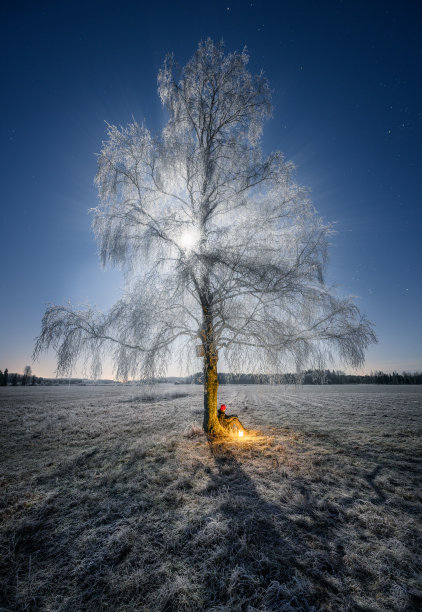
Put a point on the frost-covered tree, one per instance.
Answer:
(27, 372)
(223, 252)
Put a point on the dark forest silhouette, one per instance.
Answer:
(314, 377)
(310, 377)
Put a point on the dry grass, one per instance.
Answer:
(111, 502)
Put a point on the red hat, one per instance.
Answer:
(223, 407)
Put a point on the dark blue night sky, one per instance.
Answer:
(347, 101)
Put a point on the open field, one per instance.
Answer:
(114, 500)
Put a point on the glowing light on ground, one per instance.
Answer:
(240, 434)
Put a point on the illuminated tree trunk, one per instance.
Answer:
(211, 423)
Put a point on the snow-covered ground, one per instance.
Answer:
(113, 499)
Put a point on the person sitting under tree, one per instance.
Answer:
(230, 422)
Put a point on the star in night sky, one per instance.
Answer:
(347, 111)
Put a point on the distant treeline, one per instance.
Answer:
(312, 377)
(14, 379)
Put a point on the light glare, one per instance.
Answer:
(189, 239)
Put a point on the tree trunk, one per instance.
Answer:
(211, 423)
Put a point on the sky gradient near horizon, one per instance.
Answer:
(347, 95)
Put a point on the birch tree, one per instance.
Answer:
(223, 253)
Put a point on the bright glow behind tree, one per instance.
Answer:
(190, 239)
(219, 245)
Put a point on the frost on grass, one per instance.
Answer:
(193, 429)
(108, 506)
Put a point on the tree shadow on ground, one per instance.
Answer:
(143, 529)
(370, 479)
(370, 464)
(267, 563)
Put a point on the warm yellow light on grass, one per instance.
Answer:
(240, 434)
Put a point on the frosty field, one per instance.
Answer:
(113, 499)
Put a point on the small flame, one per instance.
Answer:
(240, 434)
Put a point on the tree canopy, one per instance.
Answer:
(222, 250)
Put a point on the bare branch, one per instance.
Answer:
(217, 241)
